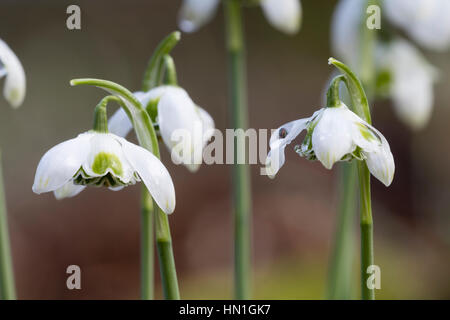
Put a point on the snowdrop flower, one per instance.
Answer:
(102, 159)
(411, 82)
(334, 134)
(11, 68)
(177, 115)
(285, 15)
(425, 21)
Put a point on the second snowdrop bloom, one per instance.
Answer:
(285, 15)
(334, 134)
(411, 82)
(11, 68)
(184, 127)
(102, 159)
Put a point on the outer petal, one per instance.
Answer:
(284, 15)
(345, 30)
(107, 156)
(177, 114)
(381, 163)
(119, 123)
(15, 84)
(154, 175)
(60, 163)
(426, 21)
(208, 125)
(196, 13)
(412, 83)
(332, 136)
(68, 190)
(275, 159)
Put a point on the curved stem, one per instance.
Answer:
(170, 75)
(153, 72)
(7, 286)
(147, 138)
(361, 108)
(241, 172)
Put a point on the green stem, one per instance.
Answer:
(152, 76)
(241, 173)
(146, 135)
(366, 229)
(361, 108)
(340, 272)
(7, 287)
(170, 75)
(147, 245)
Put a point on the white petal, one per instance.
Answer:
(345, 30)
(179, 116)
(275, 159)
(15, 85)
(154, 175)
(119, 123)
(208, 125)
(412, 83)
(68, 190)
(332, 136)
(107, 147)
(284, 15)
(196, 13)
(60, 163)
(426, 21)
(153, 94)
(381, 163)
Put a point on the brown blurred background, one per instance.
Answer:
(294, 214)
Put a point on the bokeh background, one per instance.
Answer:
(294, 214)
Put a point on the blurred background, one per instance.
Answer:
(294, 214)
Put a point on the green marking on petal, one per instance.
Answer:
(365, 132)
(104, 161)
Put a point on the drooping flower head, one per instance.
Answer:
(175, 114)
(102, 159)
(284, 15)
(334, 133)
(11, 68)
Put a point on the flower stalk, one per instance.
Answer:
(241, 174)
(147, 138)
(7, 286)
(361, 108)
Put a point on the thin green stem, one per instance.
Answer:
(241, 172)
(7, 287)
(154, 70)
(170, 74)
(146, 135)
(147, 245)
(361, 108)
(366, 230)
(340, 272)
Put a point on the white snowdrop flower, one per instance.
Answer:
(334, 134)
(102, 159)
(11, 68)
(177, 114)
(345, 30)
(411, 82)
(284, 15)
(196, 13)
(425, 21)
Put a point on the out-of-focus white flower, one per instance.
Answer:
(284, 15)
(10, 66)
(102, 159)
(411, 83)
(177, 114)
(334, 134)
(425, 21)
(346, 24)
(196, 13)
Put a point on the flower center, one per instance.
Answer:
(104, 161)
